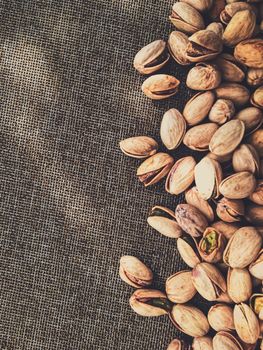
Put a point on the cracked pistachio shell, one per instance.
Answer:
(198, 137)
(243, 247)
(256, 140)
(256, 267)
(189, 320)
(139, 146)
(178, 344)
(187, 248)
(252, 117)
(203, 77)
(191, 220)
(202, 343)
(186, 18)
(246, 323)
(230, 68)
(230, 210)
(257, 97)
(254, 214)
(173, 127)
(216, 9)
(151, 57)
(250, 52)
(208, 176)
(226, 341)
(238, 186)
(150, 302)
(134, 272)
(217, 28)
(222, 111)
(177, 44)
(257, 196)
(226, 139)
(198, 107)
(231, 9)
(255, 76)
(200, 5)
(227, 229)
(153, 169)
(212, 245)
(180, 176)
(193, 197)
(239, 285)
(160, 86)
(208, 281)
(245, 158)
(179, 287)
(163, 220)
(256, 304)
(220, 318)
(235, 92)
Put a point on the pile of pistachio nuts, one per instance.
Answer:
(219, 230)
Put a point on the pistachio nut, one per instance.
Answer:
(216, 9)
(212, 245)
(151, 57)
(181, 175)
(198, 107)
(231, 9)
(160, 86)
(230, 68)
(203, 77)
(192, 197)
(220, 159)
(163, 220)
(222, 111)
(220, 318)
(189, 320)
(226, 341)
(200, 5)
(191, 220)
(187, 248)
(230, 210)
(245, 158)
(256, 304)
(178, 344)
(134, 272)
(227, 229)
(173, 128)
(243, 247)
(179, 287)
(235, 92)
(217, 28)
(177, 44)
(238, 186)
(198, 137)
(256, 267)
(240, 27)
(256, 140)
(150, 302)
(250, 52)
(239, 285)
(257, 196)
(202, 343)
(255, 76)
(186, 18)
(257, 97)
(153, 169)
(139, 146)
(208, 175)
(246, 323)
(252, 117)
(254, 214)
(208, 281)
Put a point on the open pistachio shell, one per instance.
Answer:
(250, 52)
(256, 304)
(231, 9)
(230, 210)
(245, 158)
(256, 267)
(179, 287)
(134, 272)
(173, 127)
(163, 220)
(239, 284)
(160, 86)
(257, 97)
(200, 5)
(187, 247)
(226, 341)
(178, 344)
(238, 186)
(139, 147)
(191, 220)
(212, 245)
(246, 323)
(177, 44)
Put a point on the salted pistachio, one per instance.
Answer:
(198, 107)
(256, 267)
(178, 344)
(173, 127)
(189, 320)
(203, 76)
(187, 248)
(212, 245)
(139, 146)
(134, 272)
(150, 302)
(220, 159)
(235, 92)
(191, 220)
(257, 97)
(186, 18)
(216, 9)
(200, 5)
(181, 175)
(208, 281)
(226, 341)
(230, 210)
(160, 86)
(245, 158)
(222, 111)
(256, 304)
(153, 169)
(208, 175)
(250, 52)
(217, 28)
(252, 117)
(151, 57)
(202, 343)
(198, 137)
(256, 140)
(243, 247)
(227, 229)
(177, 44)
(230, 68)
(203, 45)
(246, 323)
(193, 197)
(239, 285)
(179, 287)
(163, 220)
(220, 318)
(254, 214)
(231, 9)
(238, 186)
(255, 76)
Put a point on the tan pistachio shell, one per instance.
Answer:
(235, 92)
(173, 127)
(187, 248)
(239, 284)
(222, 111)
(198, 107)
(212, 245)
(203, 77)
(250, 52)
(220, 159)
(231, 9)
(226, 228)
(230, 210)
(254, 214)
(238, 186)
(217, 28)
(202, 343)
(216, 9)
(256, 304)
(230, 68)
(255, 76)
(198, 137)
(193, 197)
(246, 323)
(200, 5)
(252, 117)
(245, 158)
(257, 97)
(257, 196)
(256, 267)
(256, 140)
(139, 147)
(160, 86)
(178, 344)
(177, 44)
(191, 220)
(134, 272)
(220, 318)
(179, 287)
(226, 341)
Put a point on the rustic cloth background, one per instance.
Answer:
(70, 201)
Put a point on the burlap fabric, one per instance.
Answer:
(70, 201)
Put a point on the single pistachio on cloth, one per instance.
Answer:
(227, 229)
(208, 281)
(211, 246)
(203, 76)
(256, 140)
(256, 267)
(226, 341)
(202, 343)
(222, 111)
(198, 137)
(150, 302)
(139, 147)
(255, 76)
(220, 318)
(245, 158)
(235, 92)
(238, 186)
(216, 9)
(257, 196)
(256, 304)
(163, 220)
(243, 247)
(200, 5)
(189, 320)
(181, 175)
(177, 344)
(153, 169)
(252, 117)
(230, 210)
(246, 323)
(217, 28)
(173, 127)
(134, 272)
(231, 69)
(250, 52)
(177, 44)
(198, 107)
(256, 98)
(231, 9)
(191, 220)
(160, 86)
(239, 285)
(254, 214)
(187, 248)
(192, 197)
(179, 287)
